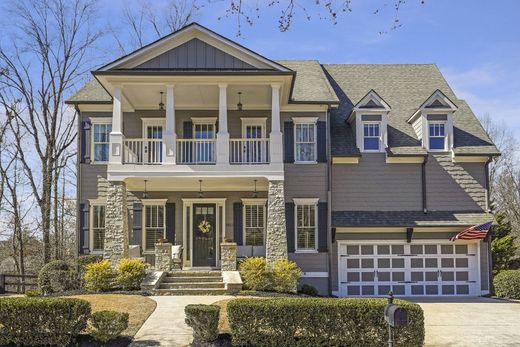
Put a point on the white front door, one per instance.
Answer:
(416, 269)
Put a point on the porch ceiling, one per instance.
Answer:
(198, 96)
(187, 184)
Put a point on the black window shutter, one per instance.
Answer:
(84, 220)
(288, 136)
(238, 223)
(322, 227)
(85, 142)
(170, 222)
(187, 130)
(322, 141)
(137, 225)
(289, 224)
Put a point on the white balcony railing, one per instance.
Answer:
(196, 151)
(143, 151)
(249, 151)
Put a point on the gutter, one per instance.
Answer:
(78, 180)
(329, 205)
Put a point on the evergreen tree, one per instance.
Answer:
(503, 244)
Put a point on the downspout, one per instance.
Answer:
(78, 179)
(329, 205)
(488, 187)
(423, 182)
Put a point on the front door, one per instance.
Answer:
(204, 235)
(153, 144)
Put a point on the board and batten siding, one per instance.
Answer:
(195, 54)
(454, 186)
(375, 185)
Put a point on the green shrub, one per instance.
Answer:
(507, 284)
(285, 276)
(83, 260)
(285, 322)
(204, 321)
(307, 289)
(98, 276)
(107, 325)
(130, 273)
(30, 293)
(57, 276)
(255, 276)
(42, 321)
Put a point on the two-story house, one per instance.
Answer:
(359, 173)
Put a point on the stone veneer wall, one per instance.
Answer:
(276, 238)
(116, 223)
(228, 256)
(163, 256)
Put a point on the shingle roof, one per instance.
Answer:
(91, 92)
(311, 84)
(408, 218)
(405, 87)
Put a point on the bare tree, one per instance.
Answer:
(144, 22)
(46, 56)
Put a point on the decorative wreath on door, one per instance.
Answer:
(205, 227)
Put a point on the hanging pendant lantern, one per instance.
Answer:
(161, 104)
(239, 105)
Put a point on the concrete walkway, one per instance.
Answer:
(472, 322)
(165, 326)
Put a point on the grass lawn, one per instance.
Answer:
(138, 307)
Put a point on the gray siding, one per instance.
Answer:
(306, 181)
(320, 283)
(195, 54)
(375, 185)
(454, 187)
(311, 262)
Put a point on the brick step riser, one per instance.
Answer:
(216, 285)
(190, 292)
(195, 274)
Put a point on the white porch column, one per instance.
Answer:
(116, 135)
(222, 135)
(275, 138)
(169, 133)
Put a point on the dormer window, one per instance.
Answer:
(433, 123)
(437, 136)
(370, 118)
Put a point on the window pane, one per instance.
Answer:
(371, 143)
(436, 142)
(101, 152)
(154, 225)
(98, 228)
(254, 224)
(305, 142)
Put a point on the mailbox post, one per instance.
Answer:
(396, 316)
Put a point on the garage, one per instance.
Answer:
(408, 269)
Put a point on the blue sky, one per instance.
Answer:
(475, 43)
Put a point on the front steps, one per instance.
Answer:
(191, 283)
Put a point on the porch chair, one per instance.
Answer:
(177, 257)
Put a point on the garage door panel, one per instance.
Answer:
(408, 269)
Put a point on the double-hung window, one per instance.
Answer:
(437, 136)
(306, 224)
(98, 228)
(371, 136)
(254, 223)
(101, 140)
(154, 225)
(305, 140)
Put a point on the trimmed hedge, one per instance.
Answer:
(319, 322)
(108, 324)
(204, 321)
(42, 321)
(57, 276)
(282, 277)
(98, 276)
(507, 284)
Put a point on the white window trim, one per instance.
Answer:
(92, 203)
(261, 121)
(253, 202)
(152, 121)
(204, 121)
(446, 135)
(96, 121)
(151, 202)
(306, 120)
(380, 137)
(305, 201)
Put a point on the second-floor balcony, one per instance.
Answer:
(242, 151)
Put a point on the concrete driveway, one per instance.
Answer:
(471, 322)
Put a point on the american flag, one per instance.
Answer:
(476, 232)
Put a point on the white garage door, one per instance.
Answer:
(417, 269)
